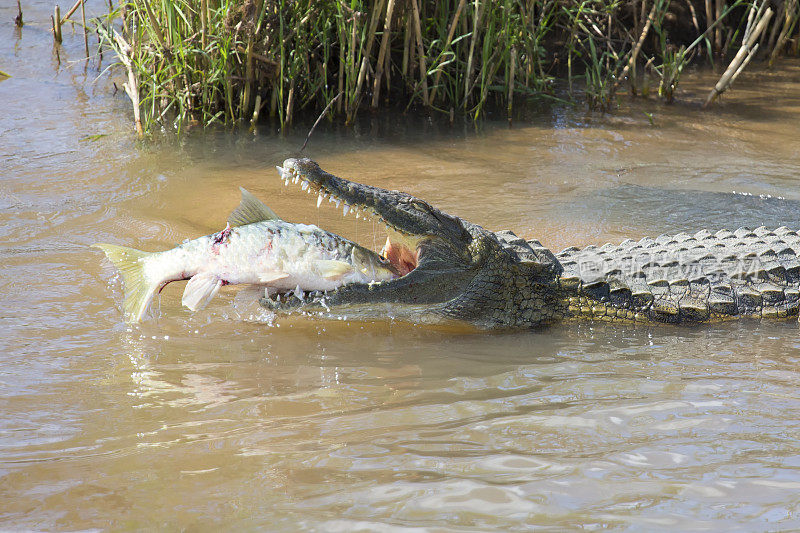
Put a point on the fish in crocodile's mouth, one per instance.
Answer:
(402, 248)
(432, 252)
(436, 256)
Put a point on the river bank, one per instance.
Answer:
(239, 61)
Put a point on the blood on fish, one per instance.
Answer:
(223, 235)
(220, 238)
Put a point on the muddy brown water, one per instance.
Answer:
(227, 418)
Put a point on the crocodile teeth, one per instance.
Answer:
(319, 200)
(304, 185)
(345, 210)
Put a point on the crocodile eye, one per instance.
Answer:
(416, 204)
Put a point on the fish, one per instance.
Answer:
(257, 248)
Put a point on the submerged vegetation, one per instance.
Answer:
(205, 62)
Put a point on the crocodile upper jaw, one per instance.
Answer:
(433, 251)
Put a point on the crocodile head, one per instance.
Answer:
(449, 268)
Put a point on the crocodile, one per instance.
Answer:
(452, 269)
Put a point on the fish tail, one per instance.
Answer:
(139, 291)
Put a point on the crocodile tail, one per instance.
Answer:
(139, 291)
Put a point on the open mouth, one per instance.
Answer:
(402, 249)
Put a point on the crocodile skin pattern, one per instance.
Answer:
(686, 278)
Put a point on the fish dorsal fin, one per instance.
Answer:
(333, 270)
(250, 211)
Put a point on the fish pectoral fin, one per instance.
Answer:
(200, 290)
(269, 277)
(333, 270)
(250, 211)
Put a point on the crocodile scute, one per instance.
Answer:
(687, 278)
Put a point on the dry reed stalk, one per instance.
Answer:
(203, 22)
(636, 31)
(132, 85)
(446, 46)
(638, 47)
(789, 20)
(751, 14)
(423, 71)
(71, 11)
(341, 73)
(387, 71)
(742, 57)
(85, 29)
(362, 73)
(470, 57)
(273, 104)
(728, 40)
(718, 29)
(289, 105)
(709, 21)
(57, 24)
(99, 51)
(352, 51)
(256, 111)
(379, 67)
(247, 94)
(744, 63)
(18, 22)
(510, 82)
(773, 36)
(406, 47)
(412, 49)
(694, 16)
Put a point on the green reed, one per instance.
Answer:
(204, 62)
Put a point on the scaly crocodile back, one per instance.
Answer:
(686, 278)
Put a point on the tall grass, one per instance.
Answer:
(203, 62)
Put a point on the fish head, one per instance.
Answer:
(372, 265)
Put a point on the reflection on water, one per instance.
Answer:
(228, 416)
(676, 210)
